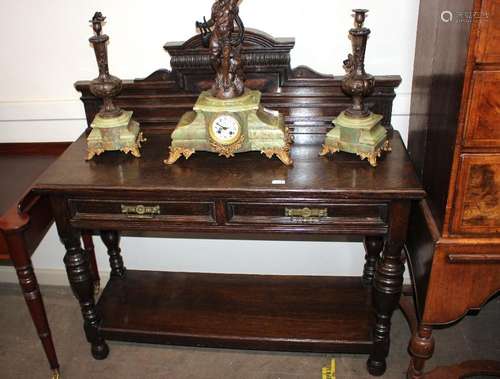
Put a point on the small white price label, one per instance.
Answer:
(279, 182)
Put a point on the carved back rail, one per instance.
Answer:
(308, 100)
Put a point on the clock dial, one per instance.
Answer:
(225, 129)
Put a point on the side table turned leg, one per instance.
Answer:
(78, 269)
(421, 349)
(112, 241)
(373, 248)
(387, 286)
(32, 296)
(88, 245)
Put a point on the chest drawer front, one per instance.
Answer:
(477, 206)
(488, 48)
(169, 211)
(304, 213)
(483, 116)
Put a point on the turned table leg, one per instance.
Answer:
(32, 295)
(78, 269)
(112, 241)
(387, 286)
(373, 248)
(421, 349)
(88, 245)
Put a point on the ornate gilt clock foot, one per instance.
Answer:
(91, 153)
(387, 146)
(373, 157)
(282, 154)
(132, 150)
(135, 148)
(176, 153)
(326, 150)
(56, 374)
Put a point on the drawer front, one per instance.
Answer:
(477, 204)
(315, 213)
(128, 210)
(488, 47)
(483, 116)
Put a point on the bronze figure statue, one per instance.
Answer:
(225, 48)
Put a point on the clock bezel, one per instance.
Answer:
(216, 139)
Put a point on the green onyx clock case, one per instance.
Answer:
(231, 126)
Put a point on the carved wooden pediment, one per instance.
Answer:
(266, 60)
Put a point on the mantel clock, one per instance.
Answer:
(229, 118)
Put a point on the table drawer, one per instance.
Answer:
(169, 211)
(303, 213)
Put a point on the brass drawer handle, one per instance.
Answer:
(140, 211)
(306, 213)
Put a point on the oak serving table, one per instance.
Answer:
(246, 197)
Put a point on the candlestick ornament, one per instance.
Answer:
(358, 130)
(113, 128)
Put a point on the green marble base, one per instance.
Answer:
(120, 133)
(263, 130)
(365, 137)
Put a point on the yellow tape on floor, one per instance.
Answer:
(329, 372)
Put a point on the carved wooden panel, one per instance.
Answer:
(477, 207)
(483, 118)
(190, 61)
(488, 48)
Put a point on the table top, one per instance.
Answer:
(343, 175)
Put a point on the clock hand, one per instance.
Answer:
(223, 127)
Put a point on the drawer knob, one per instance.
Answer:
(140, 211)
(306, 213)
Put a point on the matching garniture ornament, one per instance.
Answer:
(113, 129)
(358, 130)
(229, 119)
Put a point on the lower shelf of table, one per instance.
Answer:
(285, 313)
